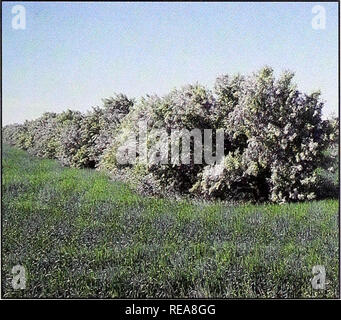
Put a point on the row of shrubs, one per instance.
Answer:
(75, 139)
(275, 140)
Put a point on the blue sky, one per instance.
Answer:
(73, 54)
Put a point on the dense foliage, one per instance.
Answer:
(275, 140)
(76, 139)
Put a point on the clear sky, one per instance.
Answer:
(73, 54)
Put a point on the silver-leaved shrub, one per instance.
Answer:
(283, 137)
(191, 107)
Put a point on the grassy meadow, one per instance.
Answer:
(78, 234)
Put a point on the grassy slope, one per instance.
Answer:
(80, 235)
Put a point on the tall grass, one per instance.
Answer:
(78, 234)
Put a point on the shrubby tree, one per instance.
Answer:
(84, 141)
(36, 136)
(111, 115)
(11, 134)
(68, 123)
(285, 137)
(190, 107)
(44, 137)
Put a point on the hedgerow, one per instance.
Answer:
(75, 139)
(275, 140)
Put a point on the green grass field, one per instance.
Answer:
(78, 234)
